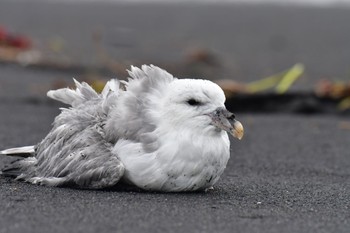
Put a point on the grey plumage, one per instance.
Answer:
(75, 152)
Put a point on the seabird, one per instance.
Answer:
(153, 131)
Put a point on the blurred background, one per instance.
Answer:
(248, 46)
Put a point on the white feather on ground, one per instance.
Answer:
(157, 133)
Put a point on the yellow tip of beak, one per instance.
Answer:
(238, 130)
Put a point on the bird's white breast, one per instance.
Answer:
(181, 163)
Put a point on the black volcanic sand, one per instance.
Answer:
(288, 174)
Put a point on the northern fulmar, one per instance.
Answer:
(153, 131)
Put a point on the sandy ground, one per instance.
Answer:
(289, 174)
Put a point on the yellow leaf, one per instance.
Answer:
(289, 78)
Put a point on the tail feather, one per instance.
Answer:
(25, 151)
(13, 169)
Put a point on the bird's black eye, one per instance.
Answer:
(193, 102)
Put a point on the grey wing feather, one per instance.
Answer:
(75, 152)
(83, 93)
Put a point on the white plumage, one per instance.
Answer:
(157, 132)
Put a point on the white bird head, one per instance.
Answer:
(198, 104)
(155, 99)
